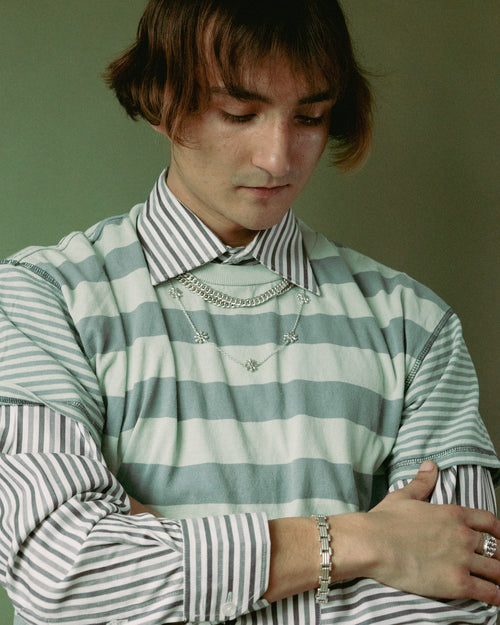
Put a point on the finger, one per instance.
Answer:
(486, 568)
(483, 590)
(481, 537)
(481, 540)
(423, 483)
(480, 543)
(482, 521)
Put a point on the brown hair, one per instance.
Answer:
(162, 77)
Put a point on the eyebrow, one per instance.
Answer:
(245, 95)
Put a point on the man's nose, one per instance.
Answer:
(273, 150)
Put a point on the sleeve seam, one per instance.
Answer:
(443, 454)
(426, 349)
(41, 273)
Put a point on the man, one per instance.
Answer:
(224, 373)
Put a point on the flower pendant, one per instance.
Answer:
(251, 365)
(200, 336)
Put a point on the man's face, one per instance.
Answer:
(245, 159)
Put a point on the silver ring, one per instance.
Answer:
(489, 545)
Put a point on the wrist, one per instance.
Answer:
(294, 566)
(354, 547)
(325, 553)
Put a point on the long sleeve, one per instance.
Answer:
(70, 552)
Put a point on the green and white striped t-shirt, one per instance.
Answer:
(377, 380)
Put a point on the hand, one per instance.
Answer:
(429, 549)
(138, 508)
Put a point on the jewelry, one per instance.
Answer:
(226, 301)
(200, 336)
(489, 545)
(326, 558)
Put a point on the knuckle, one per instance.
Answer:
(458, 587)
(490, 595)
(462, 580)
(452, 514)
(469, 536)
(456, 513)
(461, 537)
(491, 521)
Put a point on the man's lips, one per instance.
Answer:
(265, 192)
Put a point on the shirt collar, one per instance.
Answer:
(175, 240)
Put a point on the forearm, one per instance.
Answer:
(359, 547)
(354, 598)
(295, 553)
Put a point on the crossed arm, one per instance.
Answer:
(59, 492)
(404, 542)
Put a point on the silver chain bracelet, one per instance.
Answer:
(326, 558)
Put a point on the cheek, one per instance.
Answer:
(319, 139)
(230, 154)
(311, 149)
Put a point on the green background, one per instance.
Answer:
(426, 201)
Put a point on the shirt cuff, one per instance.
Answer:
(226, 565)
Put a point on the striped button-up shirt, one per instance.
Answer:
(175, 240)
(70, 552)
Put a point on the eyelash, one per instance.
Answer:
(311, 121)
(242, 119)
(235, 119)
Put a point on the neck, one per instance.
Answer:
(239, 239)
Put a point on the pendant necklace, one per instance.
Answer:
(223, 300)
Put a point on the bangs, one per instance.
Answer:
(238, 40)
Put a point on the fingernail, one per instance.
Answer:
(427, 465)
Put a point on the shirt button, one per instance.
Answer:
(229, 609)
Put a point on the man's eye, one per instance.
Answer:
(236, 119)
(310, 121)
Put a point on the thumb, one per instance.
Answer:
(423, 483)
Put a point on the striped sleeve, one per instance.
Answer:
(440, 419)
(70, 553)
(229, 574)
(41, 359)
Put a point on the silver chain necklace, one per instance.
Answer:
(215, 297)
(226, 301)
